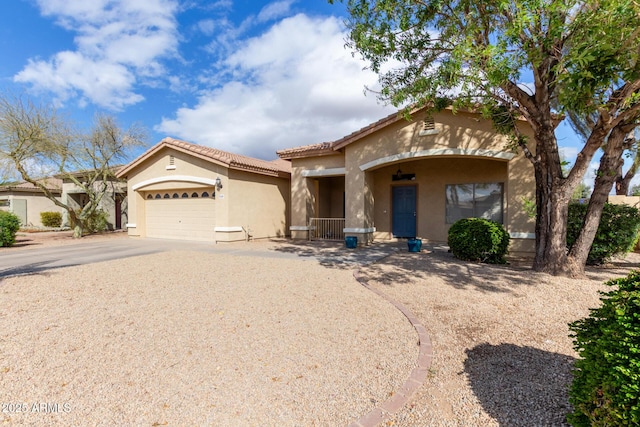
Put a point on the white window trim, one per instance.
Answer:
(179, 178)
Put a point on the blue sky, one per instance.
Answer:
(248, 77)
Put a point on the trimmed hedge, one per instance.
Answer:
(51, 219)
(478, 239)
(606, 380)
(617, 233)
(9, 226)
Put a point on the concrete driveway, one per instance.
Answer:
(34, 258)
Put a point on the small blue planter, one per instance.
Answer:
(351, 242)
(415, 245)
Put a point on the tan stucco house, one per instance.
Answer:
(114, 201)
(26, 200)
(398, 179)
(180, 190)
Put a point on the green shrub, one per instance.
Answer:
(606, 380)
(97, 221)
(51, 219)
(478, 239)
(616, 235)
(9, 226)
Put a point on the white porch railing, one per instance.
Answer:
(326, 229)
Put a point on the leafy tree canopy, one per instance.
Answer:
(481, 51)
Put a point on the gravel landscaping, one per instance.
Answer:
(502, 354)
(196, 338)
(190, 338)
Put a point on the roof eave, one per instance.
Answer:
(30, 190)
(261, 171)
(159, 146)
(301, 154)
(368, 130)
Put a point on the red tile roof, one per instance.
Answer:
(52, 184)
(325, 148)
(233, 161)
(320, 149)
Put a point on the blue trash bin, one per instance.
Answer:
(415, 245)
(351, 242)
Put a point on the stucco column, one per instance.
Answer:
(136, 213)
(359, 204)
(520, 189)
(302, 204)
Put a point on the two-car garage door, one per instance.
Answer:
(192, 218)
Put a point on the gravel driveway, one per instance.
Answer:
(255, 338)
(192, 338)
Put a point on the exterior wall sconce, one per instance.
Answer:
(399, 176)
(218, 183)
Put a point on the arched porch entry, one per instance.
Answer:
(422, 194)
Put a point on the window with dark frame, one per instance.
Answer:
(478, 200)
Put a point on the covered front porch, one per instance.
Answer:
(406, 198)
(397, 179)
(326, 209)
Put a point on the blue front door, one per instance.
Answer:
(404, 211)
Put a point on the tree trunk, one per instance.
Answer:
(553, 193)
(75, 223)
(551, 226)
(622, 185)
(610, 163)
(623, 182)
(77, 231)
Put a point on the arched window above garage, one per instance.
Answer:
(205, 194)
(194, 195)
(158, 196)
(175, 196)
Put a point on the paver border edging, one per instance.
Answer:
(418, 374)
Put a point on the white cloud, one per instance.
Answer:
(569, 154)
(293, 85)
(275, 10)
(119, 44)
(592, 170)
(207, 26)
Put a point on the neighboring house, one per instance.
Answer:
(26, 200)
(114, 201)
(179, 190)
(399, 179)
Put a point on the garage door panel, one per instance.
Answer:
(188, 219)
